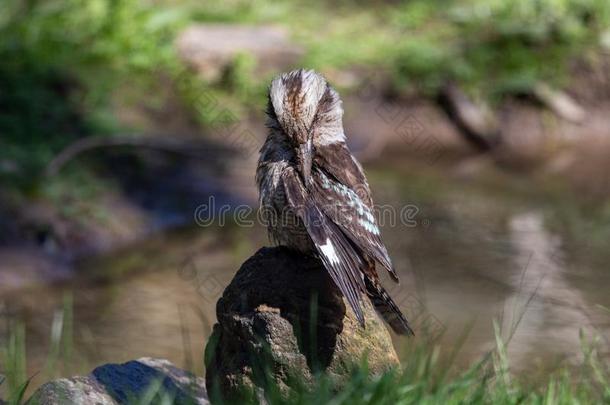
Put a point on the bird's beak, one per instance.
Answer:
(304, 157)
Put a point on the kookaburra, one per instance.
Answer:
(314, 195)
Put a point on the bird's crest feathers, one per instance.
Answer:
(302, 101)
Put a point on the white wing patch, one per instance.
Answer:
(328, 250)
(365, 217)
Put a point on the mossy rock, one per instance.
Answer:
(281, 321)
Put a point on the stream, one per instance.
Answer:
(469, 253)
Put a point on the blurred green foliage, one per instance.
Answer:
(493, 48)
(504, 47)
(63, 63)
(60, 62)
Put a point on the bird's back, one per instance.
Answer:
(314, 195)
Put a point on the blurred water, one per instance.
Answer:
(468, 255)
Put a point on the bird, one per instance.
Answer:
(313, 194)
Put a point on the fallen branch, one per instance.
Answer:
(559, 102)
(475, 121)
(155, 143)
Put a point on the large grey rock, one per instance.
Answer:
(282, 313)
(113, 384)
(211, 48)
(76, 390)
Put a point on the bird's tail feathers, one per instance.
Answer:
(387, 308)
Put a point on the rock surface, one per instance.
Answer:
(282, 313)
(210, 48)
(114, 384)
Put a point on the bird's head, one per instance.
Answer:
(305, 110)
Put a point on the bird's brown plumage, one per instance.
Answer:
(315, 195)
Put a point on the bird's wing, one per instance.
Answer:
(337, 253)
(338, 162)
(348, 203)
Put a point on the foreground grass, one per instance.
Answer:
(423, 379)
